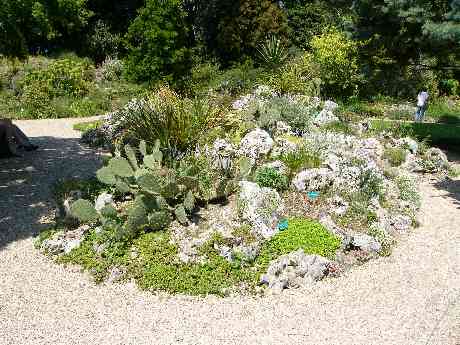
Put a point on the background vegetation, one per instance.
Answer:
(366, 54)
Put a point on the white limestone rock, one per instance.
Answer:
(293, 270)
(261, 207)
(103, 200)
(313, 179)
(256, 144)
(366, 243)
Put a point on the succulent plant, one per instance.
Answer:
(84, 211)
(160, 194)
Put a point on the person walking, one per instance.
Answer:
(422, 105)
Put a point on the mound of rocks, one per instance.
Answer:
(64, 242)
(295, 269)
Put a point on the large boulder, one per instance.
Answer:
(313, 179)
(256, 144)
(261, 207)
(326, 115)
(407, 143)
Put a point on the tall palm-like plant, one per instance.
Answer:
(272, 52)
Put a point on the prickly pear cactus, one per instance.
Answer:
(84, 211)
(160, 194)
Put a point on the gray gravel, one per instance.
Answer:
(409, 298)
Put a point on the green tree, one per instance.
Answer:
(13, 15)
(446, 32)
(158, 42)
(37, 25)
(232, 30)
(405, 29)
(309, 18)
(337, 56)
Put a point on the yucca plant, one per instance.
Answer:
(176, 122)
(272, 52)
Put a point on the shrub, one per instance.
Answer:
(271, 178)
(294, 113)
(395, 156)
(62, 77)
(301, 75)
(177, 123)
(157, 43)
(408, 190)
(102, 43)
(111, 69)
(202, 77)
(337, 56)
(449, 87)
(304, 234)
(238, 79)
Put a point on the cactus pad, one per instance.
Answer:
(121, 167)
(84, 211)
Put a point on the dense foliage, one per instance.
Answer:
(361, 47)
(157, 42)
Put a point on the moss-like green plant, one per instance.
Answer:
(304, 234)
(271, 178)
(158, 268)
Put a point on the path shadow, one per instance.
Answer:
(26, 184)
(452, 187)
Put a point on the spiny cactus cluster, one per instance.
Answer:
(160, 193)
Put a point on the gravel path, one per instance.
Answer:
(412, 297)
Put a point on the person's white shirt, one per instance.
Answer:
(422, 98)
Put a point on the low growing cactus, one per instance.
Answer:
(160, 194)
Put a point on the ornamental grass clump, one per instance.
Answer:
(177, 123)
(300, 159)
(395, 156)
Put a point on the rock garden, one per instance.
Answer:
(270, 192)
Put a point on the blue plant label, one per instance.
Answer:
(283, 225)
(313, 195)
